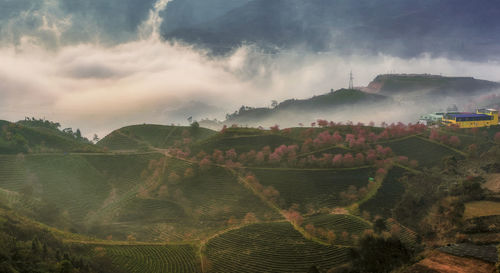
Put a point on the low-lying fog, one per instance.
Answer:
(99, 87)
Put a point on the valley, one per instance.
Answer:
(172, 199)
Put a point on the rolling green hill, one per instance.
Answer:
(312, 188)
(387, 196)
(275, 247)
(339, 224)
(328, 101)
(427, 154)
(30, 137)
(159, 136)
(167, 258)
(242, 143)
(432, 84)
(142, 207)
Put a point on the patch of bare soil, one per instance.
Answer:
(439, 262)
(493, 182)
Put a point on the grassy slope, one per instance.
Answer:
(75, 185)
(242, 143)
(387, 196)
(339, 223)
(341, 97)
(68, 182)
(160, 136)
(427, 154)
(318, 188)
(273, 247)
(150, 258)
(199, 206)
(439, 85)
(191, 207)
(40, 139)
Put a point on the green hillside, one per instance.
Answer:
(328, 101)
(313, 188)
(436, 85)
(427, 154)
(34, 137)
(159, 136)
(343, 225)
(146, 200)
(151, 259)
(275, 247)
(160, 207)
(28, 246)
(387, 196)
(242, 143)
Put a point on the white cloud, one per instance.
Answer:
(99, 88)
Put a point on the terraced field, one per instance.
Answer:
(119, 141)
(387, 195)
(427, 154)
(122, 171)
(71, 180)
(151, 211)
(320, 188)
(197, 205)
(242, 143)
(339, 223)
(41, 139)
(15, 200)
(272, 247)
(140, 136)
(216, 196)
(13, 175)
(154, 259)
(406, 235)
(487, 253)
(335, 150)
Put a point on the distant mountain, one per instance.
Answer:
(330, 102)
(452, 28)
(388, 97)
(433, 85)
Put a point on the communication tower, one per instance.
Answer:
(351, 82)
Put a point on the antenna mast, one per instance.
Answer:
(351, 82)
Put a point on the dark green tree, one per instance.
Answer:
(378, 254)
(379, 225)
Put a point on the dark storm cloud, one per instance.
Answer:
(59, 22)
(114, 20)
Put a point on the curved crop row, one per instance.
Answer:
(13, 175)
(154, 259)
(70, 182)
(387, 195)
(427, 154)
(242, 143)
(316, 188)
(344, 226)
(272, 247)
(119, 141)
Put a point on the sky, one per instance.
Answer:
(77, 68)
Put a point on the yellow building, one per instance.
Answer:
(482, 118)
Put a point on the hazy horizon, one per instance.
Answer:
(101, 81)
